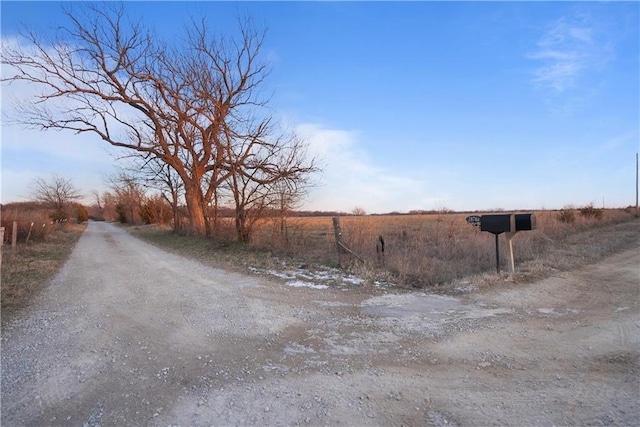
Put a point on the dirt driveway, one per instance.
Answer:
(127, 334)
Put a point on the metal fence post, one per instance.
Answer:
(1, 243)
(338, 233)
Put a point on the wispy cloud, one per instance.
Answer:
(569, 49)
(620, 140)
(28, 153)
(351, 178)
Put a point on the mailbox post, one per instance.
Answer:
(509, 224)
(498, 224)
(523, 222)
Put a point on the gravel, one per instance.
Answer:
(128, 334)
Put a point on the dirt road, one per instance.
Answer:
(127, 334)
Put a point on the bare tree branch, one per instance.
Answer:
(58, 194)
(194, 107)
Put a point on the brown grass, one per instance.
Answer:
(27, 268)
(431, 250)
(215, 252)
(33, 221)
(424, 251)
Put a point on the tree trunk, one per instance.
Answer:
(243, 233)
(214, 226)
(174, 209)
(195, 206)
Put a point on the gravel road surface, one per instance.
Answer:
(128, 334)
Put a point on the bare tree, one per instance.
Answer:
(129, 196)
(156, 175)
(288, 196)
(358, 211)
(184, 105)
(96, 195)
(262, 167)
(58, 194)
(109, 203)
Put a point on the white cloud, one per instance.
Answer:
(567, 51)
(28, 153)
(350, 177)
(619, 140)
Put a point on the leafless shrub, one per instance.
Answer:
(567, 215)
(590, 211)
(57, 194)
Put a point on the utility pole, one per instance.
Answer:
(636, 184)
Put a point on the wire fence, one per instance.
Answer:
(420, 250)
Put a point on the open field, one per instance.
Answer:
(422, 251)
(434, 252)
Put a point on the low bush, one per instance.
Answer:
(590, 212)
(156, 210)
(121, 211)
(567, 215)
(82, 214)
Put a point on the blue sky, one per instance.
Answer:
(411, 105)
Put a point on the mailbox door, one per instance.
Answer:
(497, 224)
(525, 222)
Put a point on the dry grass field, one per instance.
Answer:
(439, 252)
(433, 251)
(27, 268)
(33, 221)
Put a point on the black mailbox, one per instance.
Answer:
(504, 223)
(525, 222)
(497, 224)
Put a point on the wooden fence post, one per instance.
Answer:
(29, 234)
(1, 243)
(340, 246)
(14, 235)
(338, 233)
(380, 249)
